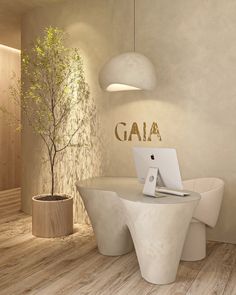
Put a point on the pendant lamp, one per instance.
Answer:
(128, 71)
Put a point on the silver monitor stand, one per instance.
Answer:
(153, 180)
(154, 186)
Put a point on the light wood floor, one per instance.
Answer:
(72, 265)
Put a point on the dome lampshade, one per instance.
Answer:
(128, 71)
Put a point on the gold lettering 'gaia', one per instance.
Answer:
(139, 132)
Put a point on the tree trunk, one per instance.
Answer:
(52, 179)
(52, 164)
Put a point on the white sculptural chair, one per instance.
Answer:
(206, 214)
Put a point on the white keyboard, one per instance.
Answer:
(172, 192)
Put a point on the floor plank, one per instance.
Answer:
(215, 273)
(230, 288)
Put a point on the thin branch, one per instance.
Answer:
(70, 140)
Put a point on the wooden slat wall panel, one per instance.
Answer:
(9, 137)
(10, 204)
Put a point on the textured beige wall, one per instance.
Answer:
(11, 13)
(192, 45)
(9, 137)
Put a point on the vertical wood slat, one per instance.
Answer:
(9, 137)
(10, 204)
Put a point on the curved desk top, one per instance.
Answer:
(130, 189)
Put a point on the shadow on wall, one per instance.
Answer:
(78, 163)
(85, 162)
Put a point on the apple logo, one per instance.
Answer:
(152, 157)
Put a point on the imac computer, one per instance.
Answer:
(158, 169)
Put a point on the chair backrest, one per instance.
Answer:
(203, 185)
(211, 190)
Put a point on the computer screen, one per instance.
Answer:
(165, 159)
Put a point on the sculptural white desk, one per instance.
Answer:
(121, 215)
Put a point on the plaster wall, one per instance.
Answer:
(192, 45)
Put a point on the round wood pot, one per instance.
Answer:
(52, 218)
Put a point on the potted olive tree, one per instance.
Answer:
(54, 88)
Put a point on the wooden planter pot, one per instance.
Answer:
(52, 218)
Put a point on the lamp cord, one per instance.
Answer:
(134, 24)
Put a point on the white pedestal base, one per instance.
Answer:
(106, 215)
(195, 242)
(158, 234)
